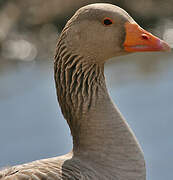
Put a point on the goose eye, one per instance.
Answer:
(107, 21)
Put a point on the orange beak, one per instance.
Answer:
(139, 40)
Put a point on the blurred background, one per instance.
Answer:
(31, 123)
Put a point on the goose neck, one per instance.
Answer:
(100, 133)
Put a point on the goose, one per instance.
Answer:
(104, 146)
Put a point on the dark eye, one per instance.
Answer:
(107, 21)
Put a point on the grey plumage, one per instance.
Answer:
(104, 147)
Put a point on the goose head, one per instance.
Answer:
(102, 31)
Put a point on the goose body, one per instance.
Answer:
(104, 147)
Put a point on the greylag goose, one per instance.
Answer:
(104, 146)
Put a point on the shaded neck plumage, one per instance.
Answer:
(77, 84)
(99, 131)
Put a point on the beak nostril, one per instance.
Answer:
(145, 36)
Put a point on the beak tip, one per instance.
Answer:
(165, 47)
